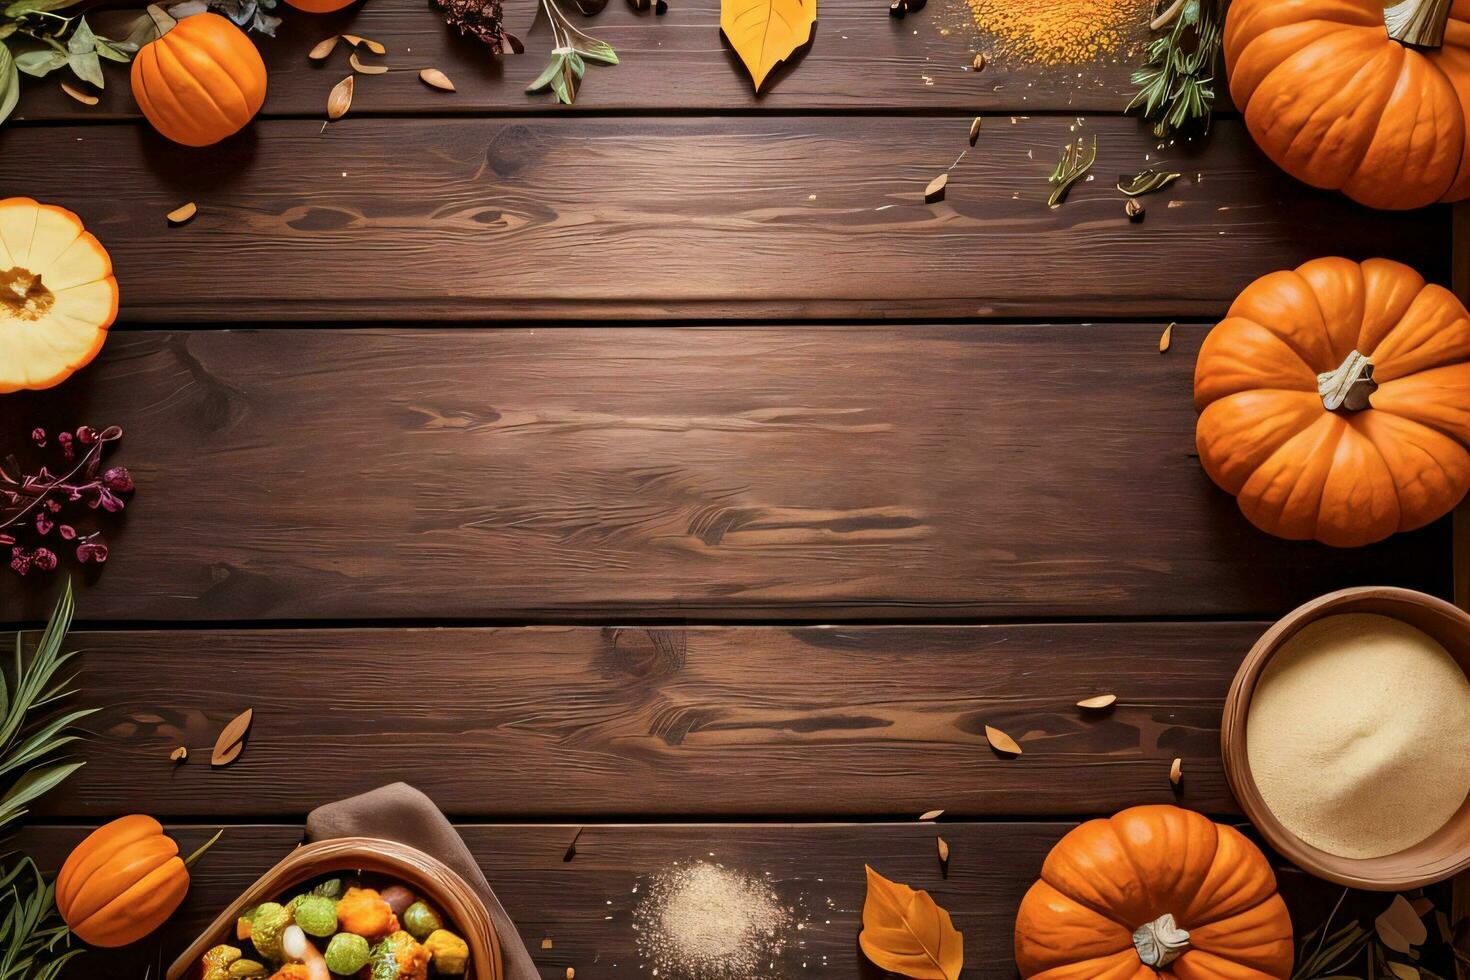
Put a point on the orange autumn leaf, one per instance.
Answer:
(905, 932)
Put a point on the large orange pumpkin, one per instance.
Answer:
(1154, 891)
(1334, 401)
(121, 883)
(1338, 103)
(320, 6)
(200, 82)
(57, 294)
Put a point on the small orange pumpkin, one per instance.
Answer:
(1336, 101)
(1334, 401)
(200, 82)
(121, 883)
(1154, 891)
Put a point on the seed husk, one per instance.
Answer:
(546, 942)
(930, 815)
(324, 47)
(978, 64)
(182, 214)
(571, 974)
(358, 66)
(437, 79)
(1165, 338)
(974, 130)
(1176, 771)
(1001, 742)
(1134, 210)
(179, 754)
(373, 46)
(85, 98)
(341, 98)
(232, 740)
(935, 191)
(1098, 703)
(943, 850)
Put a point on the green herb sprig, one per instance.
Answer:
(33, 945)
(1176, 90)
(569, 57)
(27, 737)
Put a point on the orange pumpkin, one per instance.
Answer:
(1334, 401)
(1154, 891)
(58, 296)
(200, 82)
(320, 6)
(121, 883)
(1338, 103)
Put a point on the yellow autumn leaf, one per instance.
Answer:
(766, 32)
(905, 932)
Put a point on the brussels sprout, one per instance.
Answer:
(420, 920)
(331, 888)
(217, 960)
(266, 926)
(247, 968)
(347, 953)
(449, 954)
(315, 914)
(398, 957)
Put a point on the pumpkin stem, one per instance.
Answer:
(1349, 386)
(189, 861)
(1417, 22)
(1161, 942)
(163, 21)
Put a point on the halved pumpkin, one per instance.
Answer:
(57, 294)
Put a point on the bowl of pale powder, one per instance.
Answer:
(1346, 738)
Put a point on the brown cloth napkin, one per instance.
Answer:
(400, 812)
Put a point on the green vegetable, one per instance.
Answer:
(266, 926)
(420, 920)
(1176, 90)
(218, 960)
(448, 953)
(347, 953)
(315, 914)
(331, 888)
(247, 968)
(392, 954)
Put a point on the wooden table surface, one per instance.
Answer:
(663, 467)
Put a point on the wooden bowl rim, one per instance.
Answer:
(1363, 873)
(380, 855)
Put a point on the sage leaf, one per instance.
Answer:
(8, 29)
(121, 51)
(547, 74)
(22, 7)
(9, 83)
(39, 64)
(81, 50)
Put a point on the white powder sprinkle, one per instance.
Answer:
(703, 921)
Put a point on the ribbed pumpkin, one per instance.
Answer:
(1338, 103)
(121, 883)
(1334, 401)
(200, 82)
(1154, 891)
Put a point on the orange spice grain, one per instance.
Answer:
(1060, 32)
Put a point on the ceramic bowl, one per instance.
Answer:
(427, 876)
(1441, 855)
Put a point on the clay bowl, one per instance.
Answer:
(463, 911)
(1440, 856)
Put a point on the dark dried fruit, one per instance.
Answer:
(481, 19)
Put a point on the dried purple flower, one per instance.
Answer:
(118, 479)
(44, 559)
(44, 524)
(86, 435)
(91, 551)
(10, 538)
(54, 506)
(19, 562)
(38, 436)
(67, 532)
(32, 505)
(63, 439)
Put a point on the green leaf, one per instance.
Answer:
(122, 51)
(36, 783)
(8, 28)
(22, 7)
(82, 54)
(552, 69)
(40, 63)
(9, 84)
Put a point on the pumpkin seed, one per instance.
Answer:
(183, 214)
(1145, 182)
(934, 193)
(85, 98)
(437, 79)
(369, 43)
(979, 63)
(1165, 338)
(324, 47)
(358, 66)
(1133, 210)
(1001, 742)
(1098, 703)
(546, 942)
(232, 740)
(1176, 771)
(571, 974)
(341, 98)
(178, 755)
(930, 815)
(943, 850)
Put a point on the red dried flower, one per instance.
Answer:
(91, 551)
(44, 559)
(118, 479)
(38, 436)
(30, 501)
(67, 532)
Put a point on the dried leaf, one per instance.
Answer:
(905, 932)
(1403, 971)
(934, 193)
(928, 815)
(179, 754)
(1165, 338)
(1098, 703)
(1422, 906)
(943, 850)
(1176, 771)
(232, 740)
(766, 32)
(358, 66)
(341, 98)
(437, 79)
(183, 214)
(546, 942)
(369, 43)
(1001, 742)
(324, 47)
(1399, 926)
(85, 98)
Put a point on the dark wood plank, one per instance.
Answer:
(645, 218)
(588, 906)
(860, 59)
(593, 722)
(606, 474)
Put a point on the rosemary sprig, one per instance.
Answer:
(1176, 89)
(26, 738)
(32, 945)
(1076, 160)
(569, 57)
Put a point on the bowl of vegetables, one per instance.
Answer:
(353, 907)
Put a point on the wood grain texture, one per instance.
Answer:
(511, 723)
(763, 217)
(734, 474)
(588, 906)
(860, 59)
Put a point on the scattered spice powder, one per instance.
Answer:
(703, 921)
(1060, 32)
